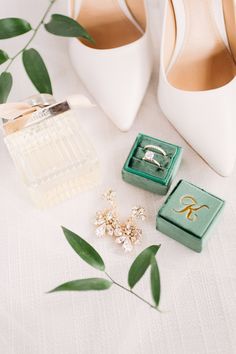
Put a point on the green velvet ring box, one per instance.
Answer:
(147, 175)
(188, 215)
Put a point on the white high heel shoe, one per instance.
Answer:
(117, 69)
(197, 84)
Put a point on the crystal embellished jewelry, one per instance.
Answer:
(149, 157)
(108, 223)
(107, 220)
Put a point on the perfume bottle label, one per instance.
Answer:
(47, 112)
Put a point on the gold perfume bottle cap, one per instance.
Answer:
(16, 116)
(47, 112)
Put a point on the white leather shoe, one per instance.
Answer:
(197, 84)
(116, 70)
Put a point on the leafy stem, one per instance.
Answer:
(33, 35)
(34, 65)
(141, 263)
(131, 292)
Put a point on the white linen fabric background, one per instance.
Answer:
(198, 290)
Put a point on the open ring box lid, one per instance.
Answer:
(188, 215)
(146, 175)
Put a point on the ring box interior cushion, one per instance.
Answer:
(147, 175)
(188, 215)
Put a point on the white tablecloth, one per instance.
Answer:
(198, 290)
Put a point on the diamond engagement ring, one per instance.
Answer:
(149, 156)
(156, 148)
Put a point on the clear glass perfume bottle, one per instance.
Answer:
(51, 152)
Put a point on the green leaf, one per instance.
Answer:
(65, 26)
(140, 264)
(36, 70)
(84, 249)
(3, 56)
(12, 27)
(155, 281)
(84, 285)
(5, 86)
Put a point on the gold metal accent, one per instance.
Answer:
(33, 115)
(190, 206)
(107, 222)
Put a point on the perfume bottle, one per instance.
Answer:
(52, 154)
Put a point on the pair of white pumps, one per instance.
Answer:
(197, 84)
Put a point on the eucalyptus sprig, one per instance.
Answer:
(143, 261)
(34, 65)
